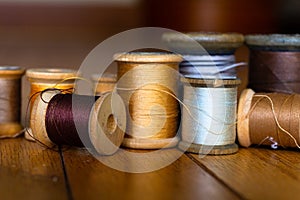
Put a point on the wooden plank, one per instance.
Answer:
(90, 179)
(29, 171)
(257, 173)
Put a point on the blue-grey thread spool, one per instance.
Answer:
(208, 126)
(212, 58)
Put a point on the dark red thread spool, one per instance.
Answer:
(79, 120)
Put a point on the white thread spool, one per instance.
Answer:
(209, 124)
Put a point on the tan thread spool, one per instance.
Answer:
(262, 116)
(107, 122)
(44, 78)
(199, 120)
(146, 80)
(10, 79)
(105, 83)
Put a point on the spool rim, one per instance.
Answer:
(280, 41)
(146, 143)
(12, 70)
(50, 73)
(212, 42)
(211, 82)
(109, 78)
(148, 57)
(104, 140)
(244, 107)
(37, 118)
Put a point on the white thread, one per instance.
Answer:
(207, 67)
(215, 111)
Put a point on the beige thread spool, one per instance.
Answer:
(10, 79)
(145, 82)
(43, 78)
(107, 122)
(105, 83)
(208, 126)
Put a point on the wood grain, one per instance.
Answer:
(90, 179)
(29, 171)
(257, 173)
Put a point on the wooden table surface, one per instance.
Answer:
(29, 171)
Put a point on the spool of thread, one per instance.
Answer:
(41, 79)
(274, 63)
(206, 55)
(79, 120)
(209, 118)
(147, 82)
(105, 83)
(269, 119)
(10, 101)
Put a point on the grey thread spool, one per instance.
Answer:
(206, 55)
(10, 101)
(209, 118)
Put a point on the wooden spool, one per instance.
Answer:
(13, 127)
(151, 63)
(244, 107)
(104, 84)
(191, 147)
(106, 123)
(41, 79)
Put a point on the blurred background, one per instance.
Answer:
(60, 33)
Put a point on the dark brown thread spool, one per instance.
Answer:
(256, 121)
(10, 98)
(274, 63)
(44, 78)
(100, 126)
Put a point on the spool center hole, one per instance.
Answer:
(111, 124)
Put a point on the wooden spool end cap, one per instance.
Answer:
(211, 83)
(244, 107)
(107, 124)
(50, 73)
(14, 72)
(274, 42)
(107, 78)
(208, 150)
(38, 115)
(10, 130)
(148, 143)
(148, 57)
(213, 43)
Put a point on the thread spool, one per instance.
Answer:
(206, 55)
(10, 101)
(105, 83)
(209, 122)
(147, 82)
(99, 124)
(268, 119)
(274, 63)
(41, 79)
